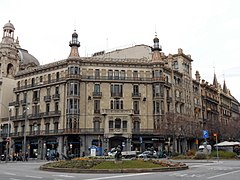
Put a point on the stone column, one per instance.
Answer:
(40, 148)
(60, 147)
(65, 146)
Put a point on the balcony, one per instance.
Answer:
(74, 76)
(35, 116)
(52, 114)
(24, 102)
(97, 94)
(169, 99)
(136, 111)
(35, 100)
(47, 98)
(15, 103)
(55, 132)
(117, 111)
(56, 97)
(117, 130)
(116, 95)
(97, 111)
(158, 79)
(72, 111)
(136, 95)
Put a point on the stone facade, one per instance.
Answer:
(136, 100)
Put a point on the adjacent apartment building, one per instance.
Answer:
(136, 97)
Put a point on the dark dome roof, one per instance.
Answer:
(74, 34)
(9, 26)
(27, 58)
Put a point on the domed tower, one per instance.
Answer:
(9, 61)
(74, 44)
(156, 49)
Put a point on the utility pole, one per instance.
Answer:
(25, 135)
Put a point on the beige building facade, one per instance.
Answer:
(135, 97)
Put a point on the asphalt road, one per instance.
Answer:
(222, 170)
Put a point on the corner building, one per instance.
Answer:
(136, 97)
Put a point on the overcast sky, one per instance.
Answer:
(208, 30)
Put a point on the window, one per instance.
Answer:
(16, 130)
(136, 107)
(57, 76)
(97, 73)
(156, 74)
(57, 90)
(18, 84)
(116, 104)
(175, 65)
(97, 88)
(17, 98)
(73, 70)
(122, 74)
(47, 127)
(48, 91)
(16, 111)
(73, 88)
(35, 95)
(110, 74)
(110, 124)
(56, 107)
(25, 97)
(116, 90)
(96, 106)
(124, 124)
(135, 75)
(55, 127)
(25, 83)
(136, 125)
(41, 79)
(49, 78)
(33, 82)
(156, 107)
(116, 74)
(73, 106)
(47, 108)
(117, 123)
(96, 125)
(135, 90)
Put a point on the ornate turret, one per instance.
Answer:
(74, 44)
(215, 82)
(8, 33)
(198, 77)
(156, 49)
(225, 90)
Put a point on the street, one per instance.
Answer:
(222, 170)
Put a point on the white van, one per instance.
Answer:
(208, 148)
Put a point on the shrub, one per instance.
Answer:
(191, 152)
(224, 154)
(200, 155)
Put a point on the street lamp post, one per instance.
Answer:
(25, 136)
(8, 144)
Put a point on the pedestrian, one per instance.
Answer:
(57, 156)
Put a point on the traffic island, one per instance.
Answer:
(109, 166)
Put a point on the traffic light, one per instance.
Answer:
(215, 135)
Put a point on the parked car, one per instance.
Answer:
(148, 154)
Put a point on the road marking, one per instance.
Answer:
(10, 173)
(200, 165)
(64, 175)
(224, 174)
(14, 179)
(121, 176)
(35, 177)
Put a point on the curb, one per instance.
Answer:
(99, 171)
